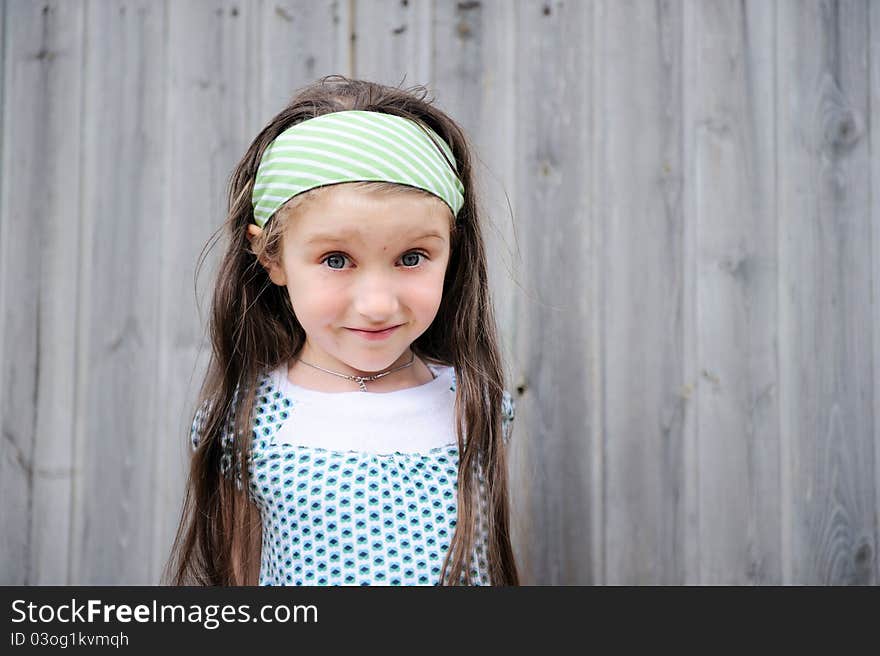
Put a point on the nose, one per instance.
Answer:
(375, 298)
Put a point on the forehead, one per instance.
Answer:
(346, 212)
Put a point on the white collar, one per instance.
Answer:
(412, 420)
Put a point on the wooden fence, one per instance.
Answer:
(685, 240)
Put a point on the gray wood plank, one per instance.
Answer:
(40, 262)
(477, 76)
(638, 137)
(874, 140)
(210, 105)
(734, 298)
(556, 334)
(475, 82)
(298, 42)
(692, 78)
(392, 41)
(825, 292)
(121, 253)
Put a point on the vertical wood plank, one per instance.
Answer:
(117, 439)
(476, 77)
(392, 41)
(554, 339)
(639, 196)
(299, 41)
(825, 290)
(692, 78)
(209, 107)
(874, 141)
(475, 83)
(41, 215)
(736, 381)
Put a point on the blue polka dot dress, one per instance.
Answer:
(369, 510)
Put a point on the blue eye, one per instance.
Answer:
(343, 257)
(415, 254)
(330, 257)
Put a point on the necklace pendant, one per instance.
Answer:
(361, 383)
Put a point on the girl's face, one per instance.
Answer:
(354, 260)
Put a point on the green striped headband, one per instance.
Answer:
(354, 145)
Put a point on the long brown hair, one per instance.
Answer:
(253, 328)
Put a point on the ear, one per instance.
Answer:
(276, 273)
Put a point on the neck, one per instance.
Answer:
(306, 376)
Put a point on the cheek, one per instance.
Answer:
(426, 295)
(312, 300)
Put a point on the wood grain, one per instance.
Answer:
(680, 211)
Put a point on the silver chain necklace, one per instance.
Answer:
(360, 379)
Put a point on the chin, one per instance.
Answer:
(373, 365)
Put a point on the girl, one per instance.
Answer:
(355, 388)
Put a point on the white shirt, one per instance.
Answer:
(412, 420)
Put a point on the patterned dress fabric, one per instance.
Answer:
(384, 515)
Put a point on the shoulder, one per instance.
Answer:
(508, 411)
(271, 407)
(198, 424)
(199, 428)
(508, 408)
(227, 431)
(265, 398)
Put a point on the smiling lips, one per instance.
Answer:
(374, 334)
(373, 330)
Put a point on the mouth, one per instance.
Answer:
(375, 334)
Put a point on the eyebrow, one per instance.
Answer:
(342, 239)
